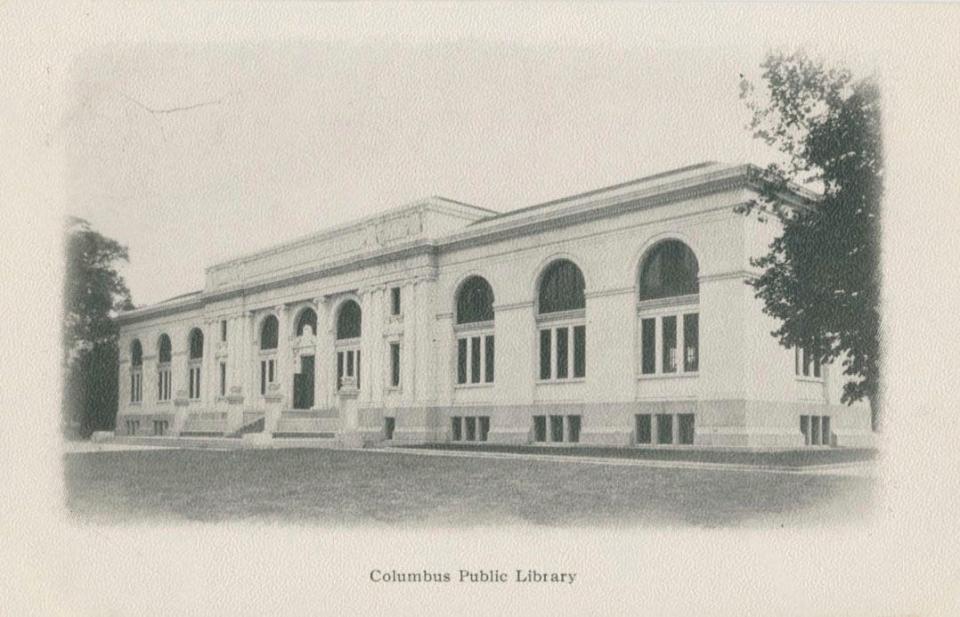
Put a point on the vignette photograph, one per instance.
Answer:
(410, 302)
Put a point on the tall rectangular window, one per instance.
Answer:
(223, 330)
(669, 344)
(648, 346)
(475, 359)
(579, 351)
(644, 428)
(691, 342)
(263, 377)
(488, 341)
(395, 364)
(462, 360)
(470, 426)
(539, 428)
(664, 428)
(685, 429)
(562, 349)
(545, 355)
(556, 428)
(484, 428)
(394, 300)
(223, 379)
(806, 363)
(573, 429)
(456, 429)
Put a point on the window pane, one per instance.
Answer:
(545, 354)
(490, 359)
(691, 342)
(455, 428)
(686, 421)
(269, 333)
(825, 437)
(223, 330)
(271, 366)
(475, 359)
(539, 428)
(263, 377)
(579, 351)
(348, 320)
(644, 434)
(462, 360)
(484, 428)
(471, 428)
(562, 345)
(394, 364)
(664, 428)
(805, 429)
(475, 301)
(358, 368)
(648, 344)
(308, 318)
(816, 367)
(670, 270)
(556, 428)
(350, 363)
(223, 378)
(562, 288)
(670, 344)
(395, 301)
(573, 429)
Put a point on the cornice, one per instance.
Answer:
(581, 210)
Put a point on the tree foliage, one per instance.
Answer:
(94, 291)
(821, 276)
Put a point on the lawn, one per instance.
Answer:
(390, 488)
(794, 459)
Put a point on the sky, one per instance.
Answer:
(190, 153)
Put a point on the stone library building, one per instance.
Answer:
(616, 317)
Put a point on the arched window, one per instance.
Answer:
(475, 301)
(563, 337)
(348, 320)
(136, 353)
(196, 344)
(669, 270)
(307, 318)
(269, 333)
(669, 273)
(347, 348)
(561, 288)
(195, 363)
(164, 349)
(136, 371)
(475, 342)
(164, 352)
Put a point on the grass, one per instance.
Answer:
(796, 458)
(338, 487)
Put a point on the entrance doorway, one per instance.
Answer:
(303, 384)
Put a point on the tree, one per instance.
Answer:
(94, 292)
(821, 276)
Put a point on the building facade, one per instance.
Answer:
(617, 317)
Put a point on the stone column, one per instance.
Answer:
(178, 381)
(243, 358)
(368, 345)
(323, 354)
(379, 363)
(422, 349)
(408, 344)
